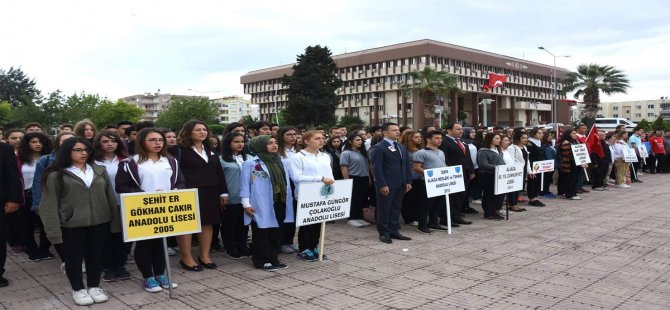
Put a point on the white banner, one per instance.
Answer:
(543, 166)
(581, 154)
(643, 151)
(444, 180)
(509, 178)
(322, 203)
(629, 154)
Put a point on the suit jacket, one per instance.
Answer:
(11, 188)
(391, 168)
(455, 156)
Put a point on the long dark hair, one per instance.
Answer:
(488, 140)
(184, 138)
(64, 158)
(232, 126)
(350, 139)
(566, 136)
(120, 146)
(280, 139)
(25, 153)
(141, 148)
(226, 151)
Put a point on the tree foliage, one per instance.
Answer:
(350, 120)
(429, 84)
(217, 128)
(16, 88)
(644, 124)
(112, 112)
(247, 120)
(658, 124)
(5, 109)
(589, 80)
(182, 109)
(311, 88)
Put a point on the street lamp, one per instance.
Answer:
(554, 113)
(483, 103)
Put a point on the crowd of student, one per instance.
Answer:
(68, 187)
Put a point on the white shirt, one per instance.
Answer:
(473, 155)
(202, 154)
(239, 159)
(28, 172)
(85, 175)
(507, 156)
(308, 167)
(156, 175)
(112, 167)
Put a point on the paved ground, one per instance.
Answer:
(610, 251)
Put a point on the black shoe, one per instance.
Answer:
(207, 265)
(494, 217)
(454, 225)
(637, 181)
(216, 247)
(244, 251)
(424, 230)
(536, 203)
(122, 274)
(279, 265)
(438, 227)
(109, 276)
(3, 282)
(35, 256)
(470, 210)
(461, 221)
(234, 254)
(385, 239)
(398, 236)
(190, 268)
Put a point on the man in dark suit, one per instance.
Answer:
(457, 153)
(11, 197)
(391, 167)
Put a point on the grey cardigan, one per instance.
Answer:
(71, 204)
(488, 159)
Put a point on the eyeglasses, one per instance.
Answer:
(155, 140)
(78, 150)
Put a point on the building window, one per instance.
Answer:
(638, 107)
(638, 114)
(650, 115)
(615, 108)
(600, 108)
(650, 106)
(615, 115)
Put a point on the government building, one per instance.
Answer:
(636, 110)
(372, 78)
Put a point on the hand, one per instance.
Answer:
(225, 200)
(585, 166)
(249, 211)
(11, 206)
(408, 187)
(532, 176)
(328, 181)
(472, 176)
(384, 191)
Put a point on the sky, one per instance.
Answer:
(121, 48)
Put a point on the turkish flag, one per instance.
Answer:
(495, 80)
(593, 142)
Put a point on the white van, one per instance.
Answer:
(613, 122)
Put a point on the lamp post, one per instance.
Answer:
(484, 104)
(554, 113)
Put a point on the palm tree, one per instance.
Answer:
(429, 84)
(589, 80)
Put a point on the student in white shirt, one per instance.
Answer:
(286, 142)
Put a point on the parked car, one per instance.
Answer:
(613, 122)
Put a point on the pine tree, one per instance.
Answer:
(311, 88)
(658, 124)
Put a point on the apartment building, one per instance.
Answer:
(152, 103)
(234, 108)
(636, 110)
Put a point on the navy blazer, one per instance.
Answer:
(389, 167)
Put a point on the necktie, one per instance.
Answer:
(397, 147)
(460, 144)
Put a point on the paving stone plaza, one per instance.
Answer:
(608, 251)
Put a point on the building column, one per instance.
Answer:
(403, 113)
(475, 109)
(375, 107)
(494, 109)
(512, 111)
(453, 107)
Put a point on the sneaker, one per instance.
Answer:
(550, 196)
(640, 173)
(46, 255)
(536, 203)
(476, 201)
(438, 227)
(269, 267)
(35, 256)
(164, 283)
(246, 252)
(17, 249)
(285, 249)
(83, 267)
(236, 255)
(97, 294)
(152, 286)
(62, 267)
(610, 181)
(352, 223)
(82, 298)
(363, 223)
(622, 186)
(109, 275)
(576, 198)
(316, 253)
(599, 189)
(414, 223)
(295, 247)
(171, 252)
(280, 265)
(306, 255)
(216, 247)
(424, 230)
(122, 274)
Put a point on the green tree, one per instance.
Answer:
(247, 120)
(5, 109)
(658, 124)
(183, 109)
(429, 85)
(217, 128)
(350, 120)
(644, 124)
(112, 112)
(589, 80)
(80, 106)
(16, 88)
(311, 88)
(23, 114)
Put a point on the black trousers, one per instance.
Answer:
(115, 253)
(308, 237)
(548, 179)
(359, 197)
(533, 186)
(84, 244)
(232, 230)
(410, 209)
(598, 174)
(490, 201)
(266, 242)
(636, 168)
(512, 198)
(656, 163)
(436, 206)
(422, 203)
(3, 238)
(567, 181)
(457, 202)
(288, 229)
(388, 211)
(150, 258)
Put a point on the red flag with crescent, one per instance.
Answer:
(495, 80)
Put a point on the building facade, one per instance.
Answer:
(152, 103)
(372, 80)
(234, 108)
(636, 110)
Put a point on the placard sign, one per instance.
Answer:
(643, 151)
(444, 180)
(319, 203)
(151, 215)
(581, 154)
(509, 178)
(629, 154)
(543, 166)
